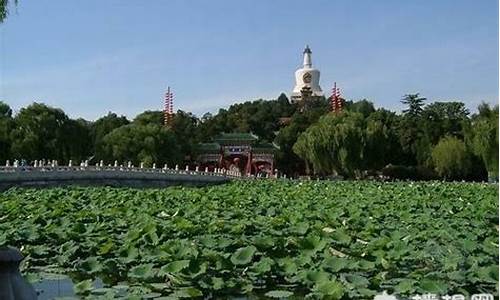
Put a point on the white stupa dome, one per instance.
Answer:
(307, 76)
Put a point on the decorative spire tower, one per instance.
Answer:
(168, 110)
(335, 99)
(307, 77)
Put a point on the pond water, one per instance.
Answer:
(58, 287)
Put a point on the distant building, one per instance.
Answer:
(307, 80)
(237, 151)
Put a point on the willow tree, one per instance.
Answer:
(334, 144)
(450, 158)
(483, 137)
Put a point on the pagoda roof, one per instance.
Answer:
(208, 147)
(225, 138)
(261, 147)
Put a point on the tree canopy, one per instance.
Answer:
(450, 158)
(361, 139)
(147, 143)
(40, 132)
(5, 7)
(483, 137)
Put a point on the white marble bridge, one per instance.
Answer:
(52, 174)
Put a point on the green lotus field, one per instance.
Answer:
(275, 239)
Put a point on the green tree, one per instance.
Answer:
(444, 118)
(381, 140)
(260, 117)
(415, 145)
(364, 107)
(40, 132)
(6, 126)
(150, 117)
(482, 137)
(79, 148)
(287, 160)
(5, 6)
(334, 144)
(184, 126)
(100, 128)
(450, 158)
(414, 104)
(150, 143)
(185, 129)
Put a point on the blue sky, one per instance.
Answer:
(94, 56)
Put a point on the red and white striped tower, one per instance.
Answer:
(336, 102)
(332, 98)
(168, 111)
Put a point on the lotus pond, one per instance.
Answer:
(274, 239)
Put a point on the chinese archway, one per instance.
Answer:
(238, 151)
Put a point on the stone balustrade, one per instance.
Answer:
(53, 166)
(51, 173)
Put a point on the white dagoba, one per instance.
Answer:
(307, 76)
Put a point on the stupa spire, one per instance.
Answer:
(307, 57)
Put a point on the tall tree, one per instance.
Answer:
(260, 117)
(444, 118)
(382, 141)
(149, 143)
(150, 117)
(100, 128)
(364, 107)
(79, 148)
(185, 129)
(414, 104)
(334, 144)
(40, 132)
(287, 160)
(450, 158)
(6, 126)
(482, 136)
(416, 146)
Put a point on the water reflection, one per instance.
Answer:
(57, 286)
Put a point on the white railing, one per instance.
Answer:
(53, 166)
